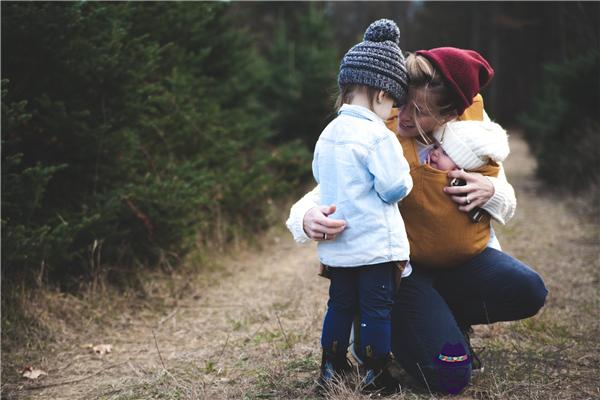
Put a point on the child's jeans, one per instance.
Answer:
(369, 289)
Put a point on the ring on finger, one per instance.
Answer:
(467, 199)
(325, 236)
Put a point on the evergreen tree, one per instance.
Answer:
(302, 86)
(563, 126)
(143, 132)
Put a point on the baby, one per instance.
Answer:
(472, 143)
(447, 236)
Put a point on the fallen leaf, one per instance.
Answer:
(102, 349)
(32, 373)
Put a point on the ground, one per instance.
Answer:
(248, 327)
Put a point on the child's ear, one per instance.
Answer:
(380, 96)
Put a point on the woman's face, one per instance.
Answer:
(413, 112)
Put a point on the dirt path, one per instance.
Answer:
(251, 330)
(220, 340)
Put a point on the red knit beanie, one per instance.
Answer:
(466, 72)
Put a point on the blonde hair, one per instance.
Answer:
(347, 93)
(428, 86)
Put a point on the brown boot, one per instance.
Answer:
(382, 375)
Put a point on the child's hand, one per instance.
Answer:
(400, 266)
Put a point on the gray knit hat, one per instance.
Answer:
(377, 61)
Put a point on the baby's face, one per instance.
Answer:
(438, 159)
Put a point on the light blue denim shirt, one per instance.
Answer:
(360, 167)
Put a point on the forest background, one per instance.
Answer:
(135, 134)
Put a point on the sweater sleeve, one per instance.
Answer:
(503, 202)
(295, 220)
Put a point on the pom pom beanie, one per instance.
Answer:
(377, 61)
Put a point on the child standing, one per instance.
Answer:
(360, 167)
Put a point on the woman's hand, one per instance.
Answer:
(318, 226)
(475, 193)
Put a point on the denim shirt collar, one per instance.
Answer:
(359, 112)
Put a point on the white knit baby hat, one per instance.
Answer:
(471, 144)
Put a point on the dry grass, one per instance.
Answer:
(249, 328)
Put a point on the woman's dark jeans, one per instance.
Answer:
(433, 305)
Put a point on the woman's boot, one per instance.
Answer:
(382, 373)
